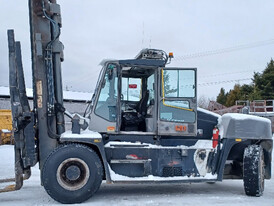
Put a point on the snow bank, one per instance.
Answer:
(7, 161)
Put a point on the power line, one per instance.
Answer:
(223, 82)
(224, 50)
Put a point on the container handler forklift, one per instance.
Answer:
(142, 125)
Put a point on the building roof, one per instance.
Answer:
(68, 95)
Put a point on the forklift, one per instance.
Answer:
(142, 124)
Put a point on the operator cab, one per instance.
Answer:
(142, 96)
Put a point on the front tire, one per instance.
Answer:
(253, 170)
(72, 173)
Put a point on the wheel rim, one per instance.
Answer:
(73, 174)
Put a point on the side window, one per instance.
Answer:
(106, 104)
(179, 83)
(131, 89)
(177, 87)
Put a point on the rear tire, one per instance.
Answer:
(253, 170)
(72, 173)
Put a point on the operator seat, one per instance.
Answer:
(141, 106)
(134, 119)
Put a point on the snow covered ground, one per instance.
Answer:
(229, 192)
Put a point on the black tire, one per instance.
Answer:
(72, 173)
(253, 170)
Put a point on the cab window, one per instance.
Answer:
(179, 83)
(131, 89)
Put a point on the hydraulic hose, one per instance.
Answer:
(50, 79)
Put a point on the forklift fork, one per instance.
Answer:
(18, 180)
(23, 119)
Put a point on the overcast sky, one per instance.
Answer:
(95, 30)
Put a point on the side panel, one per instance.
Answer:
(130, 160)
(99, 124)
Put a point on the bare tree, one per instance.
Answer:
(203, 102)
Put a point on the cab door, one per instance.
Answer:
(104, 116)
(177, 102)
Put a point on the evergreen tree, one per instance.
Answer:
(233, 95)
(245, 91)
(264, 83)
(222, 96)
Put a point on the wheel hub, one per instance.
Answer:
(73, 174)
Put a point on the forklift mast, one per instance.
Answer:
(47, 54)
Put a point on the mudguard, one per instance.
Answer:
(92, 139)
(244, 126)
